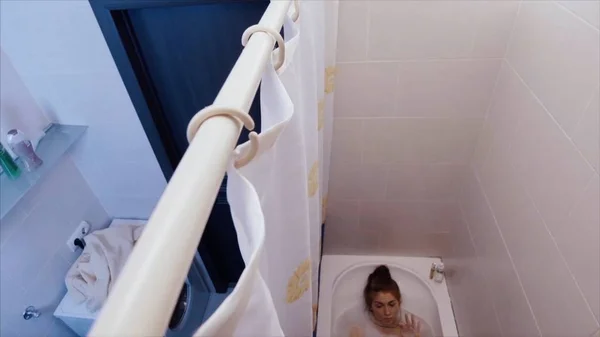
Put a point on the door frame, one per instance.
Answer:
(117, 29)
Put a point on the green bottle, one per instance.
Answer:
(9, 166)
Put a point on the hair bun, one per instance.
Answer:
(380, 280)
(381, 273)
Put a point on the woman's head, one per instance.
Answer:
(382, 295)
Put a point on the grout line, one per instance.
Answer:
(388, 175)
(564, 260)
(485, 120)
(494, 91)
(466, 223)
(508, 252)
(576, 16)
(512, 31)
(38, 274)
(455, 59)
(408, 117)
(534, 204)
(17, 225)
(580, 198)
(552, 117)
(361, 145)
(368, 30)
(396, 105)
(582, 117)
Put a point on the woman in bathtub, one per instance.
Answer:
(385, 316)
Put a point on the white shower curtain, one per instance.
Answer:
(278, 200)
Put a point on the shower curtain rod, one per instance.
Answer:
(143, 298)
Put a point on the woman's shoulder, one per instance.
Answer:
(357, 331)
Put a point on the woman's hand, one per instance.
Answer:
(411, 324)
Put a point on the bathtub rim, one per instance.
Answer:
(333, 267)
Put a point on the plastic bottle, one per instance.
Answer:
(22, 147)
(439, 273)
(9, 166)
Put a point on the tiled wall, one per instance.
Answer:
(18, 109)
(414, 80)
(531, 250)
(34, 257)
(59, 51)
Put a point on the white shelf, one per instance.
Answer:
(51, 148)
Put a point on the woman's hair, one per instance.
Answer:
(380, 280)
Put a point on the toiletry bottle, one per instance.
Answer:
(23, 148)
(432, 270)
(439, 273)
(9, 166)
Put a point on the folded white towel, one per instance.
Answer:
(92, 276)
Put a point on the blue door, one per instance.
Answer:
(173, 57)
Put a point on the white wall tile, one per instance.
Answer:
(588, 10)
(557, 56)
(10, 222)
(586, 133)
(472, 306)
(409, 217)
(12, 303)
(492, 28)
(501, 280)
(398, 243)
(341, 231)
(46, 292)
(366, 90)
(358, 182)
(406, 107)
(419, 29)
(529, 155)
(134, 207)
(419, 140)
(66, 31)
(551, 168)
(535, 166)
(508, 103)
(352, 31)
(346, 147)
(547, 281)
(446, 88)
(18, 109)
(34, 257)
(579, 242)
(49, 287)
(77, 82)
(439, 182)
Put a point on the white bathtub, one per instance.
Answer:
(343, 278)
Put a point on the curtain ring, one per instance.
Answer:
(250, 154)
(275, 35)
(296, 13)
(211, 111)
(238, 115)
